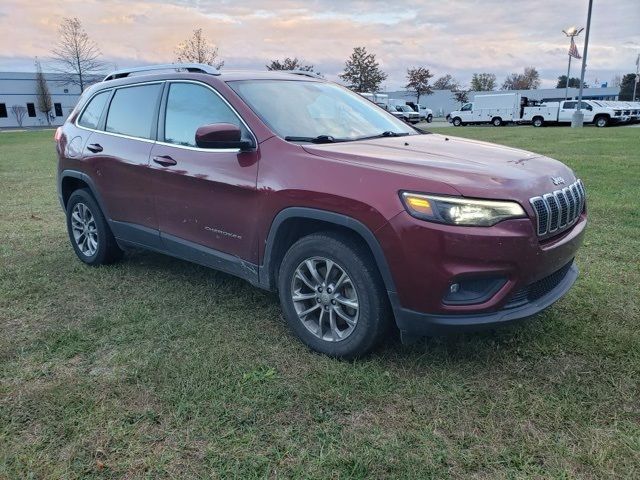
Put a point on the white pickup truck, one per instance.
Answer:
(513, 107)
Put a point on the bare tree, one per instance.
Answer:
(483, 82)
(19, 111)
(198, 49)
(446, 82)
(616, 81)
(418, 81)
(76, 55)
(45, 105)
(291, 64)
(362, 72)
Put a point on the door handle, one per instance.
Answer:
(164, 160)
(94, 147)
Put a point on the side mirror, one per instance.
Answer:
(221, 135)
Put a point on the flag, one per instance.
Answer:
(573, 50)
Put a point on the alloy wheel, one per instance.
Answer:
(325, 299)
(84, 229)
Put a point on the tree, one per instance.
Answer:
(45, 105)
(76, 55)
(446, 82)
(362, 72)
(19, 111)
(528, 80)
(418, 81)
(290, 64)
(461, 96)
(483, 82)
(626, 87)
(573, 82)
(198, 49)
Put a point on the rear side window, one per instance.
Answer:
(91, 115)
(570, 105)
(132, 110)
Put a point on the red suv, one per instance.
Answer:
(300, 186)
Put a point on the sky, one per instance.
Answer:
(458, 37)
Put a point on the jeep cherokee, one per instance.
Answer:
(300, 186)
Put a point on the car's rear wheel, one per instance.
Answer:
(332, 295)
(89, 232)
(538, 122)
(497, 122)
(429, 118)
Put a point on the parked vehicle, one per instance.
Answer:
(408, 114)
(424, 113)
(303, 187)
(513, 107)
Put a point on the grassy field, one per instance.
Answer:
(158, 368)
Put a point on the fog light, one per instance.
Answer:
(473, 290)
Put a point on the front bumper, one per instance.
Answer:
(412, 323)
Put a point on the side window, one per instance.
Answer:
(132, 110)
(31, 109)
(466, 108)
(91, 115)
(190, 106)
(58, 109)
(3, 110)
(569, 105)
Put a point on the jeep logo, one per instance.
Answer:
(557, 180)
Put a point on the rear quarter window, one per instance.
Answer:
(91, 115)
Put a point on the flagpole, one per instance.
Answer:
(578, 118)
(566, 85)
(635, 80)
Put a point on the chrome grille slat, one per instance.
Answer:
(559, 209)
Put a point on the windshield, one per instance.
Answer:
(308, 110)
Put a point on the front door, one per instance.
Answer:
(204, 197)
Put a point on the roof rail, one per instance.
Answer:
(190, 67)
(306, 73)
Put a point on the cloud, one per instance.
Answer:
(458, 37)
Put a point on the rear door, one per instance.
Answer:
(567, 109)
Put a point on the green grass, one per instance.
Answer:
(158, 368)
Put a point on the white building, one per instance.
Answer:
(19, 88)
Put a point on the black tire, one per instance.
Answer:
(457, 122)
(429, 118)
(373, 320)
(107, 249)
(601, 121)
(496, 121)
(538, 122)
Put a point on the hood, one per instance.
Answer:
(473, 168)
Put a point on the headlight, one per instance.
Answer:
(460, 211)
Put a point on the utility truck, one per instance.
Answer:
(514, 108)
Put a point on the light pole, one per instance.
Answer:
(635, 80)
(578, 118)
(571, 33)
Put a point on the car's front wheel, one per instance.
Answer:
(429, 118)
(332, 295)
(89, 231)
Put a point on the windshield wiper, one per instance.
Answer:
(388, 133)
(318, 139)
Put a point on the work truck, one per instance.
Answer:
(515, 108)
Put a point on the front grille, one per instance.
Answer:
(555, 211)
(538, 289)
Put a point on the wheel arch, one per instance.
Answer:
(72, 180)
(293, 223)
